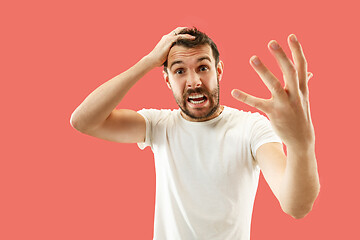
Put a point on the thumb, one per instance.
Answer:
(236, 94)
(249, 100)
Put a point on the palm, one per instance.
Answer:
(288, 109)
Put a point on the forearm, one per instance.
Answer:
(103, 100)
(300, 185)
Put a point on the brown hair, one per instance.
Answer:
(200, 39)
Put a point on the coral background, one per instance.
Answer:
(56, 183)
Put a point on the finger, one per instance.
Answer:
(305, 92)
(271, 82)
(249, 100)
(299, 61)
(176, 31)
(287, 67)
(185, 36)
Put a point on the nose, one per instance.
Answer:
(193, 80)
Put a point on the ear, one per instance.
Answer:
(166, 78)
(220, 69)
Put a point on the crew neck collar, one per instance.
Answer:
(215, 119)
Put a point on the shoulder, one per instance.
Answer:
(157, 115)
(248, 116)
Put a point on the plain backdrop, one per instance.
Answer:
(56, 183)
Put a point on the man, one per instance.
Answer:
(208, 156)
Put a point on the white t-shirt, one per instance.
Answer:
(206, 174)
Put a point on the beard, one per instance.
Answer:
(212, 97)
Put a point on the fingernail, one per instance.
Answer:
(255, 60)
(274, 45)
(293, 38)
(235, 93)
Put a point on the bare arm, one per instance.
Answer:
(97, 116)
(294, 179)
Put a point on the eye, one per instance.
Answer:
(179, 71)
(203, 68)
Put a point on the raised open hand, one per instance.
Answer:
(288, 109)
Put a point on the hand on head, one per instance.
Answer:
(160, 52)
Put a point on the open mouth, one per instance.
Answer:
(197, 98)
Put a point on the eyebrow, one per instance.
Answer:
(199, 60)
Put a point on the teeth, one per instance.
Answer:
(196, 96)
(197, 102)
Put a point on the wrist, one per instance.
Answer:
(151, 61)
(303, 142)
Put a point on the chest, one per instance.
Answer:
(214, 153)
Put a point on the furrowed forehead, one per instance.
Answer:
(181, 54)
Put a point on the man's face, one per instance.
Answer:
(194, 81)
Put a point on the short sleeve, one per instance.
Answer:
(146, 113)
(261, 133)
(156, 121)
